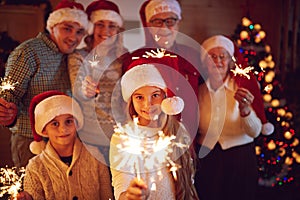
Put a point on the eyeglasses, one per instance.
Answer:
(169, 22)
(215, 57)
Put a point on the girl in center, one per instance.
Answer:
(144, 90)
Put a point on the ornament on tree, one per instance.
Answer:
(279, 152)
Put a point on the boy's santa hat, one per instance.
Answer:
(68, 11)
(250, 84)
(154, 7)
(140, 75)
(45, 107)
(104, 10)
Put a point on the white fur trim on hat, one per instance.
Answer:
(139, 76)
(161, 6)
(54, 106)
(67, 14)
(172, 105)
(106, 15)
(219, 41)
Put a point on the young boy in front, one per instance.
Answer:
(64, 169)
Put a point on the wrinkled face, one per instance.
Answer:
(163, 28)
(61, 131)
(67, 36)
(104, 30)
(146, 102)
(221, 63)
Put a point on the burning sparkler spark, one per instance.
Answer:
(156, 38)
(159, 53)
(11, 180)
(94, 62)
(147, 154)
(6, 84)
(242, 72)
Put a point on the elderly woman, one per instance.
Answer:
(227, 128)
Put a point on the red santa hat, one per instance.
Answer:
(250, 84)
(219, 41)
(68, 11)
(104, 10)
(140, 75)
(46, 106)
(155, 7)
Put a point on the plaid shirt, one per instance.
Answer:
(38, 66)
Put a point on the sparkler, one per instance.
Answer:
(147, 154)
(242, 72)
(6, 84)
(11, 181)
(159, 53)
(94, 62)
(98, 64)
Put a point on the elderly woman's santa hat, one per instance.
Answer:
(45, 107)
(250, 84)
(68, 11)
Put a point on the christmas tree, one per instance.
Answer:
(278, 154)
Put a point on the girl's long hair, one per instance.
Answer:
(184, 186)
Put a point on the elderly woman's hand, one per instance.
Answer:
(245, 99)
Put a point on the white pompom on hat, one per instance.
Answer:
(219, 41)
(172, 105)
(148, 75)
(45, 107)
(68, 11)
(104, 10)
(155, 7)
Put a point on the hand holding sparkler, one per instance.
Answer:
(11, 181)
(136, 190)
(90, 87)
(8, 112)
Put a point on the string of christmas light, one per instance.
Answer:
(278, 153)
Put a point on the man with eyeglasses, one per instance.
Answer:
(161, 20)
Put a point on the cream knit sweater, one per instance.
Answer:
(47, 177)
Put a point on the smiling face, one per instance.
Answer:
(104, 30)
(221, 66)
(61, 131)
(146, 102)
(67, 36)
(163, 28)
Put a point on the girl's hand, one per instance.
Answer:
(137, 190)
(90, 88)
